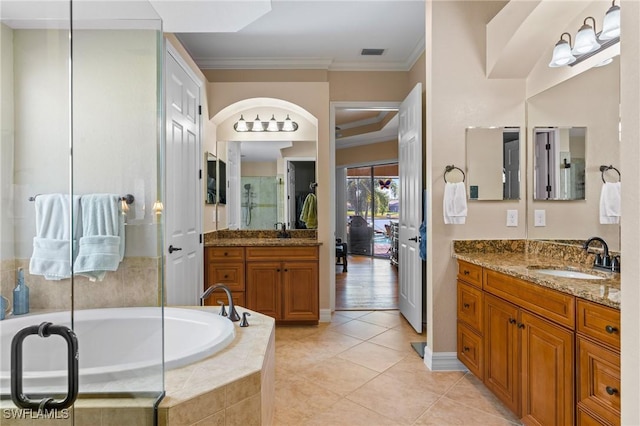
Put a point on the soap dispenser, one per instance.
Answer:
(20, 295)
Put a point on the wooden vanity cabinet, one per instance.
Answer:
(225, 265)
(470, 318)
(598, 377)
(283, 282)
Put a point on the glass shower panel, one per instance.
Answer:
(116, 174)
(36, 231)
(81, 105)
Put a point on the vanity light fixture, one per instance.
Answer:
(611, 23)
(562, 53)
(586, 41)
(158, 207)
(272, 125)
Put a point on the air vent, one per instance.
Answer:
(372, 52)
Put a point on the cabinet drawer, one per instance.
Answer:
(282, 253)
(470, 351)
(215, 298)
(225, 253)
(599, 380)
(586, 418)
(470, 273)
(551, 304)
(470, 306)
(229, 273)
(600, 322)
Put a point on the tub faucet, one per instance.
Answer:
(233, 314)
(602, 261)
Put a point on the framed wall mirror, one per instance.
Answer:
(559, 160)
(493, 163)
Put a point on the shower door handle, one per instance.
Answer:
(172, 249)
(45, 329)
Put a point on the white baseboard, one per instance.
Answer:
(442, 361)
(325, 315)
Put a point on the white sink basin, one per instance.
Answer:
(569, 274)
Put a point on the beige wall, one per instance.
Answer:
(570, 104)
(460, 96)
(629, 160)
(258, 168)
(6, 143)
(373, 153)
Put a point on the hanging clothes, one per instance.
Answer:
(309, 213)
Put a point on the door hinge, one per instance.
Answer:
(199, 109)
(547, 147)
(200, 174)
(548, 188)
(200, 238)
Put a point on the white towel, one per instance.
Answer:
(51, 256)
(610, 203)
(102, 243)
(455, 203)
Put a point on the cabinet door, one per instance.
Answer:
(547, 372)
(470, 349)
(502, 351)
(300, 291)
(263, 288)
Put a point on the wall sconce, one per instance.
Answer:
(272, 125)
(157, 208)
(587, 44)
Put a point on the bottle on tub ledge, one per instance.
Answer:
(20, 295)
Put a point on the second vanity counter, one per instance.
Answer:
(523, 264)
(261, 242)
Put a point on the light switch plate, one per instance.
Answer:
(512, 217)
(539, 218)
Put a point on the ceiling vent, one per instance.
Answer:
(372, 52)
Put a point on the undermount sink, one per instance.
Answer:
(567, 273)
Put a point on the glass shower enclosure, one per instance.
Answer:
(80, 156)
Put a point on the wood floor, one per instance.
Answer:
(370, 284)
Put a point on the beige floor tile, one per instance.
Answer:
(287, 333)
(297, 356)
(448, 412)
(361, 330)
(387, 319)
(331, 342)
(390, 397)
(375, 357)
(352, 314)
(338, 375)
(347, 413)
(337, 319)
(471, 392)
(298, 398)
(415, 375)
(397, 339)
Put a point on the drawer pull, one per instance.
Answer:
(466, 305)
(466, 349)
(466, 272)
(611, 329)
(226, 254)
(512, 321)
(521, 325)
(226, 276)
(611, 391)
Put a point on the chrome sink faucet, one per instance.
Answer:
(233, 314)
(604, 260)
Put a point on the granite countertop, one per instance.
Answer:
(270, 242)
(523, 265)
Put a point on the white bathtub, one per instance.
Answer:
(120, 348)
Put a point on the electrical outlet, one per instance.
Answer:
(539, 218)
(512, 217)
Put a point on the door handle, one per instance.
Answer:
(172, 249)
(414, 239)
(45, 329)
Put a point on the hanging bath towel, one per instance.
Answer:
(102, 243)
(455, 203)
(309, 213)
(610, 203)
(52, 253)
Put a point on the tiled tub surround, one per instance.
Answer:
(135, 283)
(234, 386)
(520, 258)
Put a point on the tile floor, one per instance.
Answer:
(360, 369)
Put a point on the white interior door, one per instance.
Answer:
(410, 295)
(183, 195)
